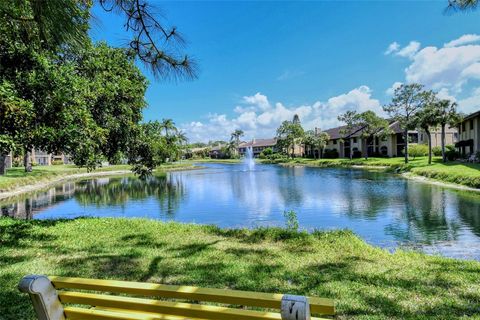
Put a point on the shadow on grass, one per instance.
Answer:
(265, 260)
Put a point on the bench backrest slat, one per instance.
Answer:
(165, 307)
(235, 297)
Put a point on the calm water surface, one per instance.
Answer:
(385, 210)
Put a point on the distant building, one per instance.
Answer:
(43, 158)
(9, 161)
(392, 145)
(258, 145)
(469, 134)
(217, 152)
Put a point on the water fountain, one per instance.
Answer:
(249, 161)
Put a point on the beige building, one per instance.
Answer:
(469, 135)
(43, 158)
(391, 146)
(257, 145)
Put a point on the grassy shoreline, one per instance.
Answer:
(41, 175)
(366, 282)
(464, 174)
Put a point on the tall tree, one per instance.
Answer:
(372, 127)
(447, 115)
(235, 141)
(54, 23)
(350, 118)
(427, 118)
(15, 115)
(169, 126)
(288, 134)
(316, 140)
(408, 99)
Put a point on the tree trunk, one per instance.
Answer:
(365, 148)
(444, 156)
(3, 164)
(405, 137)
(27, 163)
(429, 137)
(351, 149)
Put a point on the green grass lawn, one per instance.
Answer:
(467, 174)
(366, 282)
(17, 177)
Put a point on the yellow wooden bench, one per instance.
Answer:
(58, 298)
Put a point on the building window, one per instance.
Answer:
(334, 141)
(459, 129)
(354, 140)
(463, 126)
(471, 124)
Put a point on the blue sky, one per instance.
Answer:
(261, 62)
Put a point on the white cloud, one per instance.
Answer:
(258, 100)
(262, 120)
(451, 70)
(465, 39)
(390, 91)
(407, 52)
(410, 50)
(290, 74)
(393, 47)
(470, 104)
(450, 67)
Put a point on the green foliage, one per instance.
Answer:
(288, 134)
(57, 162)
(291, 220)
(331, 153)
(366, 282)
(63, 94)
(317, 141)
(437, 151)
(417, 150)
(267, 151)
(451, 153)
(153, 145)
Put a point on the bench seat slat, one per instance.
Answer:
(165, 307)
(237, 297)
(169, 317)
(75, 313)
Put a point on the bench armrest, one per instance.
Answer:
(44, 297)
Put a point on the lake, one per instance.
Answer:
(384, 209)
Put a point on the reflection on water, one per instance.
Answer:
(383, 209)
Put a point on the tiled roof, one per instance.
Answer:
(259, 143)
(336, 133)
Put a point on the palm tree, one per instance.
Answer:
(321, 141)
(235, 138)
(236, 135)
(168, 125)
(448, 115)
(427, 118)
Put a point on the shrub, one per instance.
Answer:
(451, 153)
(331, 154)
(417, 150)
(291, 220)
(356, 154)
(267, 151)
(57, 162)
(437, 151)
